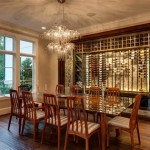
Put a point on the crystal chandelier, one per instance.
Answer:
(60, 38)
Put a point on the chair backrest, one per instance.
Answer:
(74, 89)
(94, 91)
(29, 106)
(113, 94)
(51, 108)
(77, 121)
(15, 103)
(60, 89)
(22, 88)
(134, 113)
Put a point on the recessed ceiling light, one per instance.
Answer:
(43, 28)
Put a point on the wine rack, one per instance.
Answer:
(120, 61)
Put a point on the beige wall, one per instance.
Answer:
(47, 68)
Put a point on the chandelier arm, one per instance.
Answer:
(61, 1)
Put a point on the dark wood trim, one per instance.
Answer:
(121, 31)
(61, 71)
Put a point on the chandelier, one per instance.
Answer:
(60, 38)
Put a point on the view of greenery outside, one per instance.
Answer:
(26, 72)
(4, 88)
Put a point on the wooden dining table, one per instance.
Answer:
(102, 106)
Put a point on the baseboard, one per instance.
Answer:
(4, 111)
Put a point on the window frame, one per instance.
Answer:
(16, 59)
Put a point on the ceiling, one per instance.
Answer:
(78, 14)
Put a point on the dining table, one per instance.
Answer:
(103, 106)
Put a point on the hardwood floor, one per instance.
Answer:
(11, 140)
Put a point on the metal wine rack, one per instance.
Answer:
(120, 61)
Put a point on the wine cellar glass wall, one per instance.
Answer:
(120, 61)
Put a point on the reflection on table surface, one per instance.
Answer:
(95, 104)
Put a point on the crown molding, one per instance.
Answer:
(17, 29)
(131, 21)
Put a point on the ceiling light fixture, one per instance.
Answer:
(60, 38)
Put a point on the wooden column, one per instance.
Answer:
(61, 71)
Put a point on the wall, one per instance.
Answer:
(47, 67)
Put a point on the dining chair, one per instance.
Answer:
(22, 88)
(77, 121)
(113, 94)
(74, 89)
(127, 124)
(31, 113)
(60, 89)
(93, 93)
(16, 109)
(52, 116)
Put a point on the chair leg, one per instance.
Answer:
(87, 143)
(99, 138)
(23, 126)
(35, 130)
(138, 133)
(43, 133)
(66, 140)
(9, 121)
(132, 140)
(108, 136)
(19, 125)
(59, 135)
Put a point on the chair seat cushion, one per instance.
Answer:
(90, 125)
(119, 122)
(40, 114)
(54, 121)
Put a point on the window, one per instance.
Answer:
(6, 43)
(10, 66)
(26, 47)
(6, 64)
(26, 63)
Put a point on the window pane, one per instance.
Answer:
(8, 60)
(6, 73)
(8, 44)
(26, 47)
(5, 86)
(26, 71)
(1, 43)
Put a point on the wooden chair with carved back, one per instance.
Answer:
(22, 88)
(52, 116)
(77, 121)
(94, 93)
(60, 89)
(16, 109)
(31, 113)
(113, 94)
(74, 89)
(127, 124)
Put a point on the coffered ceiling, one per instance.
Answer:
(78, 14)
